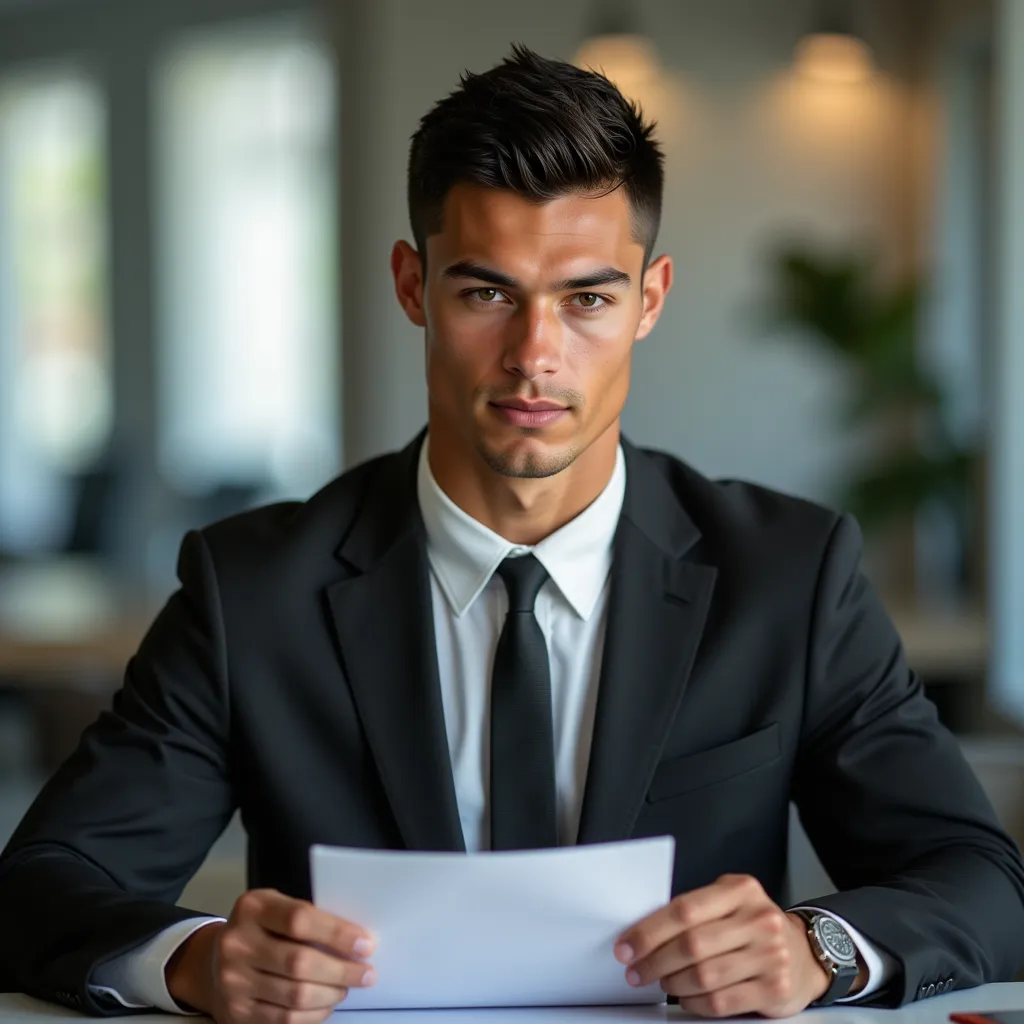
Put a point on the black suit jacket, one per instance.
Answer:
(294, 675)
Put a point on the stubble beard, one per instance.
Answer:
(529, 465)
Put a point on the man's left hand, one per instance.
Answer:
(727, 949)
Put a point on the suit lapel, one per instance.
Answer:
(382, 616)
(657, 608)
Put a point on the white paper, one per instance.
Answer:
(650, 1014)
(531, 928)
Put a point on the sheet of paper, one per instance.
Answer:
(658, 1013)
(531, 928)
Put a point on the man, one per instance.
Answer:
(520, 631)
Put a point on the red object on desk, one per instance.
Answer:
(1000, 1017)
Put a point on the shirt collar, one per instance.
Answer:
(464, 553)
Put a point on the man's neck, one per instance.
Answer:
(523, 510)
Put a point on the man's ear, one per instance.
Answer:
(657, 284)
(407, 270)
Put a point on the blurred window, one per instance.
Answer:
(56, 398)
(246, 256)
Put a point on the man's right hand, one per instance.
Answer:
(276, 960)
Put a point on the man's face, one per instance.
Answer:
(531, 311)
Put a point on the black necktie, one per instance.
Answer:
(522, 742)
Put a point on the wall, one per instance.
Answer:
(752, 156)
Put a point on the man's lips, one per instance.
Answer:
(522, 413)
(528, 405)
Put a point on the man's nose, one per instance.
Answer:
(535, 342)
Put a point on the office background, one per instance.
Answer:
(198, 199)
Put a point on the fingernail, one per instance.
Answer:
(362, 947)
(632, 977)
(624, 953)
(368, 978)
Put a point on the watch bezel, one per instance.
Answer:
(817, 923)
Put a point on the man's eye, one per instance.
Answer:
(487, 294)
(589, 300)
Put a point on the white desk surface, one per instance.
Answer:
(16, 1009)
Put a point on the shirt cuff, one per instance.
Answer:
(136, 979)
(881, 967)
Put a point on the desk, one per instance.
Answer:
(16, 1009)
(67, 623)
(946, 645)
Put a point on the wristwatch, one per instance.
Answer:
(832, 945)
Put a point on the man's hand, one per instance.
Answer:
(724, 950)
(277, 960)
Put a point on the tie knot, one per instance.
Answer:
(523, 576)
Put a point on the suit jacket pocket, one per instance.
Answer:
(692, 771)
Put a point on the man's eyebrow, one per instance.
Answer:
(478, 272)
(599, 278)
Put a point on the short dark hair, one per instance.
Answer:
(542, 129)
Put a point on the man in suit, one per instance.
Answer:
(520, 631)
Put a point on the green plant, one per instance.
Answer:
(838, 302)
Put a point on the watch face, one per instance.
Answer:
(835, 940)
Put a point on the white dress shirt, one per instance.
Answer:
(469, 604)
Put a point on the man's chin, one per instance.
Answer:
(528, 460)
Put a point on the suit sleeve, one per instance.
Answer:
(98, 861)
(895, 813)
